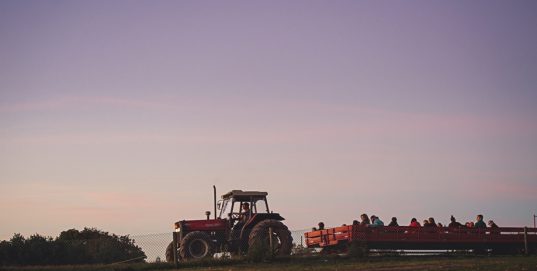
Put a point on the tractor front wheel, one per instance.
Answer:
(169, 253)
(196, 245)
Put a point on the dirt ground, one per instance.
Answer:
(393, 264)
(495, 263)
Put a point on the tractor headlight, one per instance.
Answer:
(177, 228)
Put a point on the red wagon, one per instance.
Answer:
(503, 240)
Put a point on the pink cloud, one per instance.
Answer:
(274, 122)
(387, 121)
(495, 190)
(65, 196)
(77, 102)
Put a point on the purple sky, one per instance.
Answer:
(122, 114)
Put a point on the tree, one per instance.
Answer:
(88, 246)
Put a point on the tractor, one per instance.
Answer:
(244, 221)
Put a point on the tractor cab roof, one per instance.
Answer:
(239, 195)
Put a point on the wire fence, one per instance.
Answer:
(155, 245)
(92, 246)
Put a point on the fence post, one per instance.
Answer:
(526, 241)
(175, 259)
(270, 242)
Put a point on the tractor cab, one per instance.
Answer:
(244, 210)
(239, 205)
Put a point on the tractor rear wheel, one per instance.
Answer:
(282, 241)
(196, 245)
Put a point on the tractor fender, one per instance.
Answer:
(256, 218)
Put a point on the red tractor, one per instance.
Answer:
(244, 221)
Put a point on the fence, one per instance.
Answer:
(92, 246)
(154, 245)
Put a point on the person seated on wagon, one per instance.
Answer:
(492, 224)
(414, 223)
(376, 222)
(454, 224)
(425, 223)
(430, 223)
(394, 222)
(365, 220)
(480, 224)
(321, 226)
(494, 229)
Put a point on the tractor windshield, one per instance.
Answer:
(225, 208)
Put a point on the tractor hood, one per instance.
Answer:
(202, 225)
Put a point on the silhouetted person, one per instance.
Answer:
(394, 222)
(494, 229)
(492, 224)
(454, 224)
(430, 223)
(480, 224)
(414, 223)
(425, 223)
(245, 215)
(365, 220)
(321, 226)
(376, 222)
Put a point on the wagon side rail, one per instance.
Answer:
(423, 235)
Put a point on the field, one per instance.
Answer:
(328, 263)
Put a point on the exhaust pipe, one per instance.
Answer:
(214, 194)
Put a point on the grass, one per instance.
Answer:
(383, 263)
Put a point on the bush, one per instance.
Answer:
(89, 246)
(259, 251)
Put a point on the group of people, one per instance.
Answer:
(479, 223)
(375, 221)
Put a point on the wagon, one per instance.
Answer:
(500, 240)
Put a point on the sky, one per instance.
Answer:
(121, 115)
